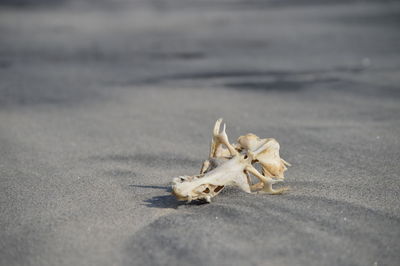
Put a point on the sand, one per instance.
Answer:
(101, 105)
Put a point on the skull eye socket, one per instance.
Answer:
(207, 190)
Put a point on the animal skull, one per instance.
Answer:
(229, 167)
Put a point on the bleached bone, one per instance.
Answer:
(218, 153)
(231, 172)
(272, 164)
(234, 171)
(268, 156)
(216, 149)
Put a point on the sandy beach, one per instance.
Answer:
(103, 103)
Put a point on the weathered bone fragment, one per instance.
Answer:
(211, 184)
(227, 166)
(267, 155)
(273, 165)
(232, 172)
(218, 153)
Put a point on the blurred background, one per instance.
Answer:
(268, 45)
(103, 102)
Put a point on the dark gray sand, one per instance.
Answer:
(103, 103)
